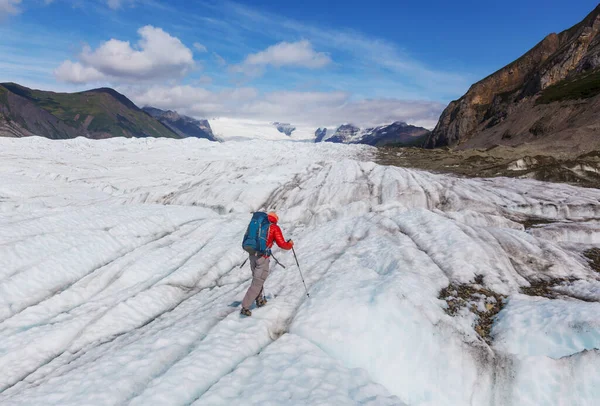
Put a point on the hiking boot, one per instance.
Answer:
(261, 301)
(245, 312)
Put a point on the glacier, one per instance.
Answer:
(120, 279)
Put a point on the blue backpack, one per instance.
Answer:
(255, 239)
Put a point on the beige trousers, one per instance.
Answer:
(260, 272)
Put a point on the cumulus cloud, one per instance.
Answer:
(156, 55)
(295, 54)
(289, 54)
(316, 109)
(75, 72)
(9, 7)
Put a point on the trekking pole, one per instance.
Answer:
(301, 277)
(276, 261)
(244, 263)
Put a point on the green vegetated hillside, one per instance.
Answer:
(580, 87)
(98, 113)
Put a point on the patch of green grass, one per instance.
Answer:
(3, 96)
(581, 87)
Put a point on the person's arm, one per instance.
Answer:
(278, 238)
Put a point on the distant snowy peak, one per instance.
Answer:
(183, 125)
(347, 134)
(322, 134)
(285, 128)
(396, 133)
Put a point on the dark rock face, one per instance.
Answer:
(184, 126)
(398, 133)
(346, 134)
(320, 134)
(490, 102)
(285, 128)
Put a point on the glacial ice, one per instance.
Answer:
(120, 279)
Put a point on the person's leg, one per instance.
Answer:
(260, 272)
(264, 267)
(252, 259)
(261, 293)
(261, 300)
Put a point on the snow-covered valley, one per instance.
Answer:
(120, 279)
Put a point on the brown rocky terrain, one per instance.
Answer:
(548, 99)
(522, 162)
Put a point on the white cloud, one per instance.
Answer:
(374, 74)
(296, 54)
(314, 109)
(74, 72)
(156, 55)
(187, 97)
(9, 7)
(199, 47)
(204, 80)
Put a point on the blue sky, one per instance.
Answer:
(309, 62)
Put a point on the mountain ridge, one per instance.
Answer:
(96, 113)
(106, 113)
(508, 108)
(398, 133)
(184, 126)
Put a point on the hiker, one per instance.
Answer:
(262, 232)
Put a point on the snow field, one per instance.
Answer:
(120, 279)
(294, 371)
(239, 130)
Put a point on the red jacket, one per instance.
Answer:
(275, 235)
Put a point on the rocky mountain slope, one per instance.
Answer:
(285, 128)
(398, 133)
(548, 97)
(184, 126)
(98, 113)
